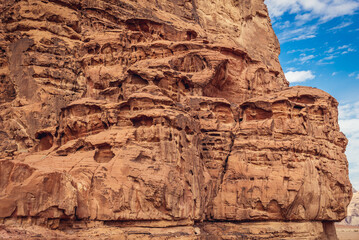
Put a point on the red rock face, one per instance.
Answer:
(159, 114)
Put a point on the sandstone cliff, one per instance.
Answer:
(159, 119)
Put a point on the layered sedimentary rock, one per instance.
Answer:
(151, 115)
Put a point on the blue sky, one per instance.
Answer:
(320, 48)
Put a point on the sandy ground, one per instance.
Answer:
(347, 232)
(36, 232)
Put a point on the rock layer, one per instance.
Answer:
(162, 114)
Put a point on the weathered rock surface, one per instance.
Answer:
(353, 211)
(173, 117)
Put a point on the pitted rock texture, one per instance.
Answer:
(162, 114)
(210, 230)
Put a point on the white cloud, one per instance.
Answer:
(343, 47)
(335, 52)
(305, 58)
(303, 37)
(321, 62)
(315, 12)
(303, 17)
(302, 50)
(298, 34)
(330, 57)
(357, 76)
(349, 111)
(330, 50)
(334, 73)
(299, 76)
(291, 69)
(348, 51)
(325, 10)
(282, 25)
(349, 125)
(324, 61)
(351, 74)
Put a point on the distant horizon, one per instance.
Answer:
(319, 42)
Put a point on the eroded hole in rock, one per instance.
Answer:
(46, 141)
(7, 90)
(142, 121)
(252, 113)
(273, 206)
(103, 153)
(185, 85)
(81, 110)
(93, 48)
(143, 25)
(142, 157)
(124, 108)
(218, 81)
(259, 77)
(306, 99)
(188, 130)
(189, 63)
(191, 35)
(224, 113)
(281, 105)
(297, 107)
(137, 79)
(319, 111)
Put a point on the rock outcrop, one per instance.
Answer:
(353, 211)
(159, 119)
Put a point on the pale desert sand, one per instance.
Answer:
(347, 232)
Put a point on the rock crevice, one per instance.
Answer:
(165, 118)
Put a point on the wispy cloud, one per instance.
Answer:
(305, 58)
(343, 47)
(340, 26)
(326, 60)
(346, 49)
(308, 15)
(302, 50)
(299, 76)
(302, 18)
(298, 34)
(282, 25)
(329, 57)
(324, 10)
(330, 50)
(334, 52)
(291, 69)
(323, 62)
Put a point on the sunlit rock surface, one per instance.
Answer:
(161, 119)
